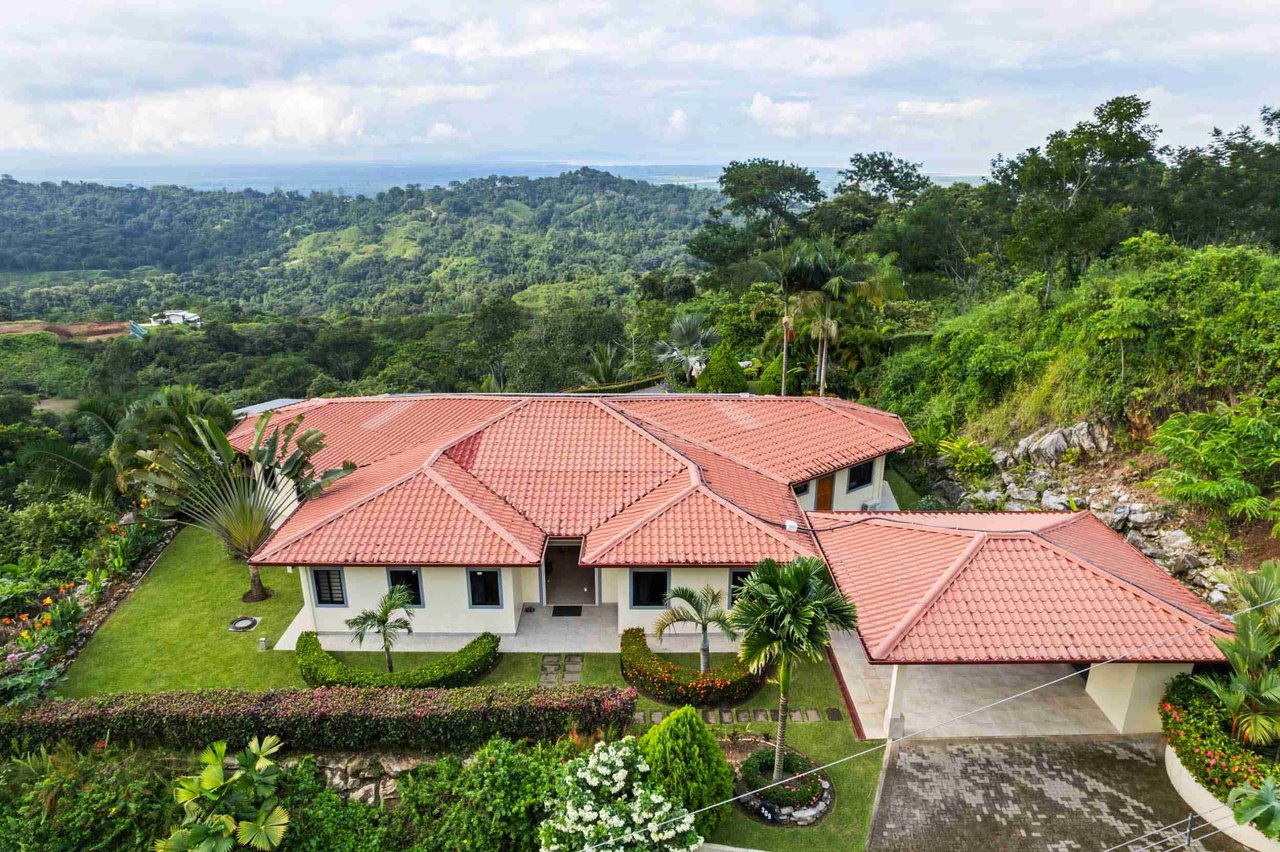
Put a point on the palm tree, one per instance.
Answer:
(383, 621)
(1251, 693)
(705, 609)
(687, 344)
(240, 499)
(785, 613)
(604, 364)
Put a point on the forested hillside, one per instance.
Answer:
(78, 250)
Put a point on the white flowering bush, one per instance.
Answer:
(602, 798)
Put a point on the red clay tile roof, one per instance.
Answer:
(485, 479)
(960, 587)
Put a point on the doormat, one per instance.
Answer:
(565, 611)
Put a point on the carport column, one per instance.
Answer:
(1129, 694)
(893, 715)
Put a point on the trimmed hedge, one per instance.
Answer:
(1199, 731)
(320, 668)
(332, 718)
(674, 684)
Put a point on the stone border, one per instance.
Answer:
(788, 817)
(1202, 801)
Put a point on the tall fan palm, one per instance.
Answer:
(240, 499)
(785, 613)
(687, 344)
(383, 621)
(704, 609)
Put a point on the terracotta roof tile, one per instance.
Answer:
(992, 587)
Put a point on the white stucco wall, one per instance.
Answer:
(530, 584)
(843, 499)
(694, 578)
(446, 602)
(1129, 693)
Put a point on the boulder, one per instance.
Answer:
(1016, 506)
(983, 498)
(1175, 541)
(1120, 517)
(1022, 494)
(368, 794)
(1050, 448)
(1079, 436)
(398, 764)
(950, 491)
(1182, 564)
(1054, 501)
(1101, 437)
(1002, 458)
(1022, 449)
(1140, 516)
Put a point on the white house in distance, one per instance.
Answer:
(493, 509)
(176, 318)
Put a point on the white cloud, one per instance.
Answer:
(781, 118)
(677, 124)
(442, 131)
(943, 109)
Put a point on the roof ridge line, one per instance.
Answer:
(1071, 518)
(646, 434)
(272, 546)
(767, 529)
(698, 442)
(643, 521)
(822, 401)
(479, 427)
(1111, 576)
(917, 611)
(483, 516)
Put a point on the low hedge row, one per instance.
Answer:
(674, 684)
(1199, 731)
(332, 718)
(320, 668)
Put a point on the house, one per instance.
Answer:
(176, 318)
(484, 505)
(499, 512)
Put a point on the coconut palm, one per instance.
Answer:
(383, 621)
(704, 609)
(687, 344)
(239, 498)
(785, 613)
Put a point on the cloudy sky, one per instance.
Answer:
(946, 82)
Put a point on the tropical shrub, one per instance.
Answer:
(605, 798)
(320, 668)
(669, 682)
(339, 717)
(757, 772)
(495, 801)
(103, 799)
(1258, 806)
(1197, 727)
(321, 820)
(771, 378)
(687, 764)
(221, 810)
(971, 460)
(722, 374)
(42, 529)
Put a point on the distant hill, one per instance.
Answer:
(71, 248)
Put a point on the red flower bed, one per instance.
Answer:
(674, 684)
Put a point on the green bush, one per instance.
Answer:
(666, 681)
(494, 801)
(1198, 729)
(109, 798)
(757, 772)
(722, 373)
(771, 378)
(42, 529)
(338, 717)
(322, 821)
(687, 764)
(320, 668)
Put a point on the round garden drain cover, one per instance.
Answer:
(242, 624)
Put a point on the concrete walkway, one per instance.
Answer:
(593, 632)
(1067, 794)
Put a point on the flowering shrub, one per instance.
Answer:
(757, 772)
(602, 797)
(320, 668)
(674, 684)
(1197, 727)
(338, 718)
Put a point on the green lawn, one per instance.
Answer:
(906, 496)
(845, 828)
(171, 633)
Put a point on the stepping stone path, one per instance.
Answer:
(729, 716)
(560, 668)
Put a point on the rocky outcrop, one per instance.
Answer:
(367, 778)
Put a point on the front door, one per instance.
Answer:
(826, 492)
(566, 583)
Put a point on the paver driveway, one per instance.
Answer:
(1066, 794)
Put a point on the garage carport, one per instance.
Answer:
(957, 610)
